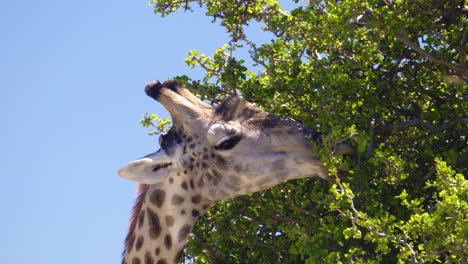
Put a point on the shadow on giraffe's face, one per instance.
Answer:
(224, 151)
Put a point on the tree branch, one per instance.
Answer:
(417, 122)
(402, 36)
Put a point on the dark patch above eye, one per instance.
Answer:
(161, 166)
(168, 140)
(228, 143)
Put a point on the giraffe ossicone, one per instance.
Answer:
(211, 153)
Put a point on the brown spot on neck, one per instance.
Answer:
(154, 224)
(157, 197)
(168, 242)
(184, 232)
(148, 258)
(169, 220)
(177, 199)
(139, 243)
(162, 261)
(196, 199)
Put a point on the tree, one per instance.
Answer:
(390, 76)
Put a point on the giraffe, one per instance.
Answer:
(210, 154)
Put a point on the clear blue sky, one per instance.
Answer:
(72, 75)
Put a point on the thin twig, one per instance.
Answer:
(357, 216)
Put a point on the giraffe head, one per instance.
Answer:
(209, 154)
(229, 150)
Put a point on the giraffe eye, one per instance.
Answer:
(229, 143)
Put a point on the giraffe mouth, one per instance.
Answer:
(161, 166)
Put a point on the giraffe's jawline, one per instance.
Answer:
(161, 166)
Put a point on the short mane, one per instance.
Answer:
(141, 192)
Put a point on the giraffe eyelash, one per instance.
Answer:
(229, 143)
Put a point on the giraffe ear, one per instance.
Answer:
(151, 169)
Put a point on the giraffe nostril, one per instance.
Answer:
(161, 166)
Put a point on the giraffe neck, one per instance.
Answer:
(164, 216)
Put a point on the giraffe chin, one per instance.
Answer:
(151, 169)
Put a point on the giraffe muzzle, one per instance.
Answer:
(151, 169)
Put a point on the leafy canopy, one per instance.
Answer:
(388, 75)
